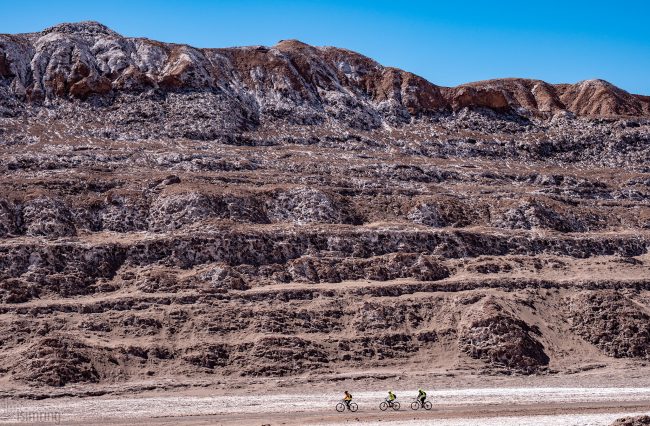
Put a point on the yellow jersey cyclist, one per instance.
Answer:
(422, 396)
(347, 398)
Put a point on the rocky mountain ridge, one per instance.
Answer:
(291, 80)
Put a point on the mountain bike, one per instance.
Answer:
(416, 405)
(386, 404)
(341, 406)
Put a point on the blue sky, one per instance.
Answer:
(448, 43)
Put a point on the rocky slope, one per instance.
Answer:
(176, 213)
(239, 88)
(632, 421)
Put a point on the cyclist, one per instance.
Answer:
(391, 397)
(422, 396)
(347, 398)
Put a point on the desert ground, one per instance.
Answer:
(588, 398)
(238, 235)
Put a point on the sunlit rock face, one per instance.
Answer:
(174, 213)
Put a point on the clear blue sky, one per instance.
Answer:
(448, 42)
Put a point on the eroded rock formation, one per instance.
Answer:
(173, 212)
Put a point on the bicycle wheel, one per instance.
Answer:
(427, 405)
(396, 406)
(353, 407)
(415, 405)
(340, 407)
(383, 406)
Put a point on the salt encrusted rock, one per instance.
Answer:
(171, 211)
(632, 421)
(306, 205)
(8, 219)
(497, 337)
(124, 214)
(612, 322)
(535, 214)
(48, 217)
(442, 212)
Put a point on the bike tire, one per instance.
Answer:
(340, 407)
(383, 406)
(396, 406)
(353, 407)
(427, 405)
(415, 405)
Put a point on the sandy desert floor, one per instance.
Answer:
(568, 400)
(513, 406)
